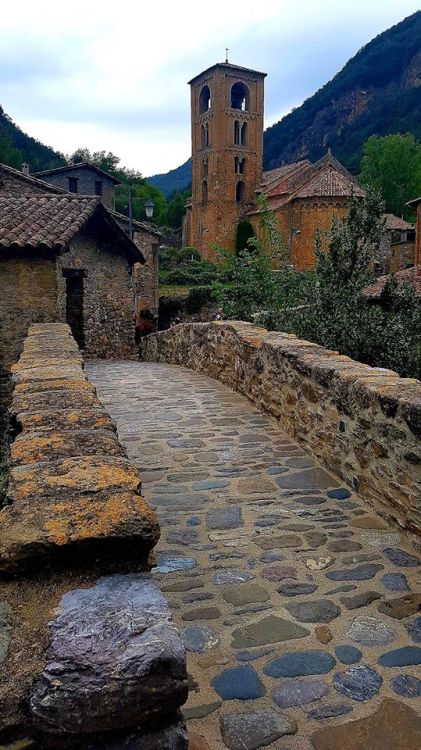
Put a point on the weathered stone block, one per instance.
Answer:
(115, 660)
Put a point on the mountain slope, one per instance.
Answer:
(16, 147)
(377, 92)
(176, 179)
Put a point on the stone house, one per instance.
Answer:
(411, 276)
(397, 247)
(65, 258)
(415, 206)
(147, 239)
(83, 179)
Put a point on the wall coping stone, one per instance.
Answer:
(65, 504)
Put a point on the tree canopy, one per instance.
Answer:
(392, 164)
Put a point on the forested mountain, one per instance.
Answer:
(16, 147)
(377, 92)
(174, 180)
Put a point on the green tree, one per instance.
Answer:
(8, 154)
(177, 208)
(104, 160)
(392, 164)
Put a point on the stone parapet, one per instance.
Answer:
(362, 423)
(72, 489)
(87, 660)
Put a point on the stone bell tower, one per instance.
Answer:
(227, 142)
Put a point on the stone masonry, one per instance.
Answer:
(215, 212)
(108, 295)
(362, 423)
(297, 603)
(90, 655)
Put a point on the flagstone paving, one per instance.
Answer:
(296, 602)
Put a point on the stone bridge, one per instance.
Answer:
(297, 598)
(287, 488)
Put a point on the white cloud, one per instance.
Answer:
(113, 75)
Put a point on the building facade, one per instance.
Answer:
(65, 258)
(227, 104)
(83, 179)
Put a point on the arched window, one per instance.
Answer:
(240, 133)
(237, 133)
(204, 135)
(240, 97)
(205, 167)
(239, 165)
(239, 191)
(204, 100)
(204, 191)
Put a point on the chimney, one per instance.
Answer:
(25, 168)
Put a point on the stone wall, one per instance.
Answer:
(362, 423)
(298, 222)
(108, 296)
(86, 179)
(145, 275)
(28, 295)
(90, 656)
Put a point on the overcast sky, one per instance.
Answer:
(112, 75)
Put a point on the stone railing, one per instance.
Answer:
(83, 655)
(362, 423)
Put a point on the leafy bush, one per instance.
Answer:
(185, 267)
(199, 297)
(328, 305)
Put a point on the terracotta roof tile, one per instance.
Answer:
(329, 183)
(42, 219)
(410, 276)
(281, 172)
(395, 223)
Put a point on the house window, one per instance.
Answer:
(98, 187)
(73, 187)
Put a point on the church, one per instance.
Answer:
(227, 106)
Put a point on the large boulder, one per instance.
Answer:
(115, 660)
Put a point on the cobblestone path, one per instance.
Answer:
(297, 604)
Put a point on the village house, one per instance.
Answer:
(227, 152)
(28, 295)
(83, 178)
(87, 179)
(65, 258)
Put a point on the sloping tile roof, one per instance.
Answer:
(410, 276)
(80, 165)
(43, 220)
(281, 172)
(229, 68)
(6, 171)
(393, 222)
(329, 183)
